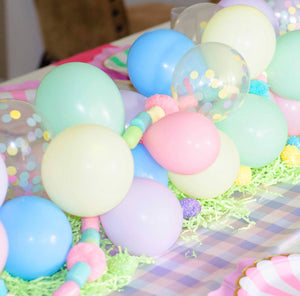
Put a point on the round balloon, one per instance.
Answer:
(146, 167)
(291, 112)
(216, 179)
(3, 246)
(152, 59)
(258, 129)
(148, 221)
(261, 5)
(248, 31)
(287, 13)
(284, 71)
(39, 236)
(87, 169)
(193, 20)
(24, 136)
(215, 76)
(3, 180)
(134, 104)
(75, 93)
(183, 142)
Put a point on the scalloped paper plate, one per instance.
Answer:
(118, 61)
(278, 275)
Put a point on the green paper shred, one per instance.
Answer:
(221, 210)
(233, 204)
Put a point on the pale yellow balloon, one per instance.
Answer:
(87, 170)
(215, 180)
(248, 31)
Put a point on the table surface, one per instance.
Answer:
(177, 273)
(40, 73)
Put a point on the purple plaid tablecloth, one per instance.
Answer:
(276, 231)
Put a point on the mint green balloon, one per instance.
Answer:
(258, 129)
(284, 70)
(76, 93)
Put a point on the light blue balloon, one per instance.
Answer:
(39, 236)
(152, 59)
(146, 167)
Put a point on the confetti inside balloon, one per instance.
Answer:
(24, 136)
(287, 13)
(215, 76)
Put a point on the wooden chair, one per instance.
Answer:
(73, 26)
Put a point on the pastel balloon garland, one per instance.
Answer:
(160, 109)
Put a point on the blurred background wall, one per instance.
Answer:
(34, 33)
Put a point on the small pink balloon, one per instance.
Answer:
(3, 247)
(184, 142)
(291, 112)
(147, 221)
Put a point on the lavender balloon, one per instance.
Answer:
(134, 103)
(148, 220)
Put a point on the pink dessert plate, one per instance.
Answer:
(278, 275)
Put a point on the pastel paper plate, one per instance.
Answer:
(278, 275)
(118, 61)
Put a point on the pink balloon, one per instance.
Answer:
(3, 247)
(261, 5)
(184, 142)
(148, 220)
(3, 180)
(291, 112)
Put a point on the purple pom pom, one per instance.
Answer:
(190, 206)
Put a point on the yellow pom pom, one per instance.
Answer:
(244, 176)
(290, 155)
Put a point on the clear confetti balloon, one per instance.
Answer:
(287, 13)
(23, 140)
(193, 20)
(212, 78)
